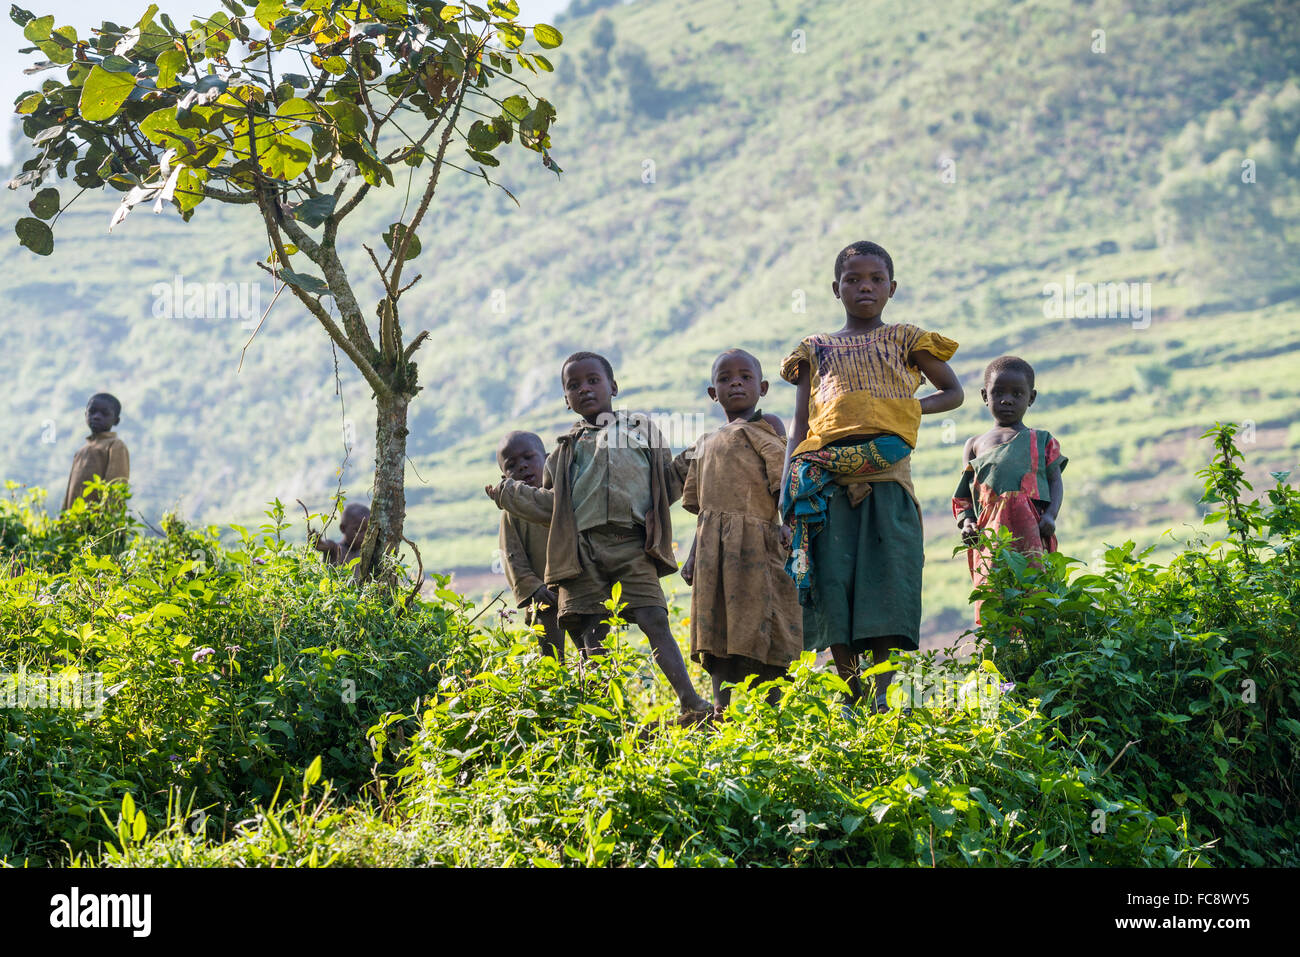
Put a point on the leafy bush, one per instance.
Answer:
(1150, 720)
(526, 764)
(1183, 680)
(224, 671)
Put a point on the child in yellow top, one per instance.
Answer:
(847, 492)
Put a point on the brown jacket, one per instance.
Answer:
(523, 552)
(552, 504)
(105, 455)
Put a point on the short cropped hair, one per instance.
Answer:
(1009, 364)
(862, 248)
(579, 356)
(533, 438)
(110, 399)
(758, 366)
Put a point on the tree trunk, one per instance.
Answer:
(388, 499)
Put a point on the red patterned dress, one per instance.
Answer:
(1007, 487)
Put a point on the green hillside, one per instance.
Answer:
(715, 161)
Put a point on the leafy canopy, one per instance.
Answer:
(286, 101)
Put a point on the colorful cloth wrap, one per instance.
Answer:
(807, 495)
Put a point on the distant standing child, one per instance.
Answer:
(606, 495)
(352, 526)
(104, 454)
(1011, 474)
(857, 551)
(522, 457)
(745, 616)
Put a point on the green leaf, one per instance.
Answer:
(45, 204)
(284, 156)
(128, 807)
(511, 35)
(313, 772)
(35, 235)
(347, 117)
(171, 63)
(104, 93)
(117, 64)
(296, 110)
(516, 106)
(312, 285)
(138, 827)
(38, 30)
(547, 36)
(313, 212)
(393, 236)
(482, 137)
(268, 11)
(544, 63)
(30, 104)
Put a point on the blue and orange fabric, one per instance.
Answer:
(1007, 487)
(865, 383)
(806, 494)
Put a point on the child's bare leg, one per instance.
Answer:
(552, 639)
(721, 695)
(846, 663)
(653, 621)
(881, 648)
(588, 632)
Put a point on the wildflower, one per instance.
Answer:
(123, 616)
(201, 654)
(45, 598)
(233, 648)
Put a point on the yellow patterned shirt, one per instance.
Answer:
(864, 384)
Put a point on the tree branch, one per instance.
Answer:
(339, 336)
(398, 256)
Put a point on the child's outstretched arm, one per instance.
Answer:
(799, 432)
(519, 498)
(940, 374)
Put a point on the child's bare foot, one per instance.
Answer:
(693, 703)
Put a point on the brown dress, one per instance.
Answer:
(743, 604)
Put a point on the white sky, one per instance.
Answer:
(83, 14)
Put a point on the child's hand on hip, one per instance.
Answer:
(544, 596)
(688, 569)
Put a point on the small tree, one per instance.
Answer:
(175, 117)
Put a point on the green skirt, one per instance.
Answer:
(866, 572)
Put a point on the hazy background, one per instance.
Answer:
(716, 158)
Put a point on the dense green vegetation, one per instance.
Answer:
(1146, 715)
(1114, 166)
